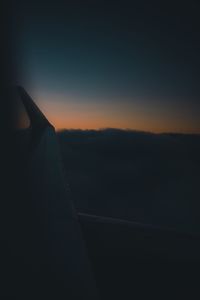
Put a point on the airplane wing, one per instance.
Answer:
(52, 258)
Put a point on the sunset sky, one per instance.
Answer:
(97, 64)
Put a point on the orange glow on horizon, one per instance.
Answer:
(81, 115)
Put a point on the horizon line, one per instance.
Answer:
(128, 130)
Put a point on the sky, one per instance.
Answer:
(119, 64)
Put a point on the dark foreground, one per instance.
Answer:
(153, 179)
(133, 231)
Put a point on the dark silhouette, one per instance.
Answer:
(52, 250)
(138, 176)
(46, 257)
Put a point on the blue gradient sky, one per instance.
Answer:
(112, 64)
